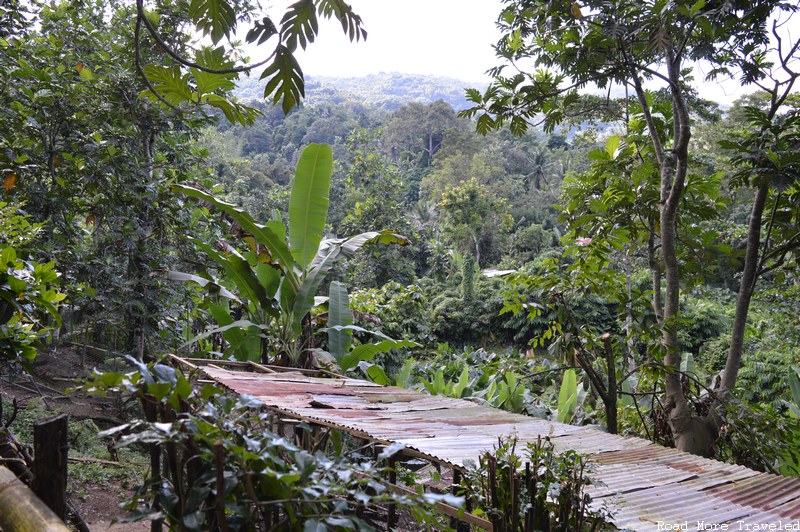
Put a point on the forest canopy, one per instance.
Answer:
(626, 260)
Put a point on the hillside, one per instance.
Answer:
(386, 90)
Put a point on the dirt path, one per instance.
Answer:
(56, 371)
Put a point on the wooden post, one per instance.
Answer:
(391, 515)
(50, 450)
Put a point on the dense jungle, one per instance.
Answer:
(585, 238)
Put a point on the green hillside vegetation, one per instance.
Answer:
(639, 274)
(385, 90)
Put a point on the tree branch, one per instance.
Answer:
(141, 18)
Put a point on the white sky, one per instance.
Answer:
(451, 38)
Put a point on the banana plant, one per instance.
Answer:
(451, 388)
(340, 333)
(277, 278)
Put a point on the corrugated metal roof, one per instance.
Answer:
(647, 487)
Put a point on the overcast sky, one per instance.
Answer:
(451, 38)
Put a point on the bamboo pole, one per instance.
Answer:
(21, 510)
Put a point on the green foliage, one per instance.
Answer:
(396, 310)
(92, 162)
(227, 469)
(473, 217)
(18, 232)
(702, 320)
(761, 437)
(308, 205)
(569, 52)
(508, 391)
(372, 196)
(84, 442)
(28, 292)
(278, 281)
(439, 386)
(567, 397)
(503, 380)
(767, 374)
(537, 490)
(196, 80)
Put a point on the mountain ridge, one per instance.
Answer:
(386, 90)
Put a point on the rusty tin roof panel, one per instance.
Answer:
(645, 485)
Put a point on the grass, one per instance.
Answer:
(84, 443)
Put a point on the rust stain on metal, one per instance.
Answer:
(687, 466)
(642, 483)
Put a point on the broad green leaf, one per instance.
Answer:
(299, 25)
(7, 255)
(688, 366)
(239, 271)
(213, 288)
(356, 328)
(374, 373)
(269, 277)
(213, 58)
(567, 396)
(368, 352)
(613, 145)
(261, 31)
(238, 324)
(339, 314)
(341, 10)
(463, 381)
(213, 17)
(274, 243)
(308, 205)
(233, 111)
(348, 246)
(235, 336)
(308, 288)
(170, 83)
(286, 79)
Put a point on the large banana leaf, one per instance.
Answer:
(308, 289)
(348, 246)
(368, 352)
(339, 314)
(328, 253)
(243, 345)
(263, 234)
(211, 286)
(567, 396)
(239, 270)
(308, 205)
(242, 342)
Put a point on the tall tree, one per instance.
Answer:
(417, 130)
(628, 43)
(767, 160)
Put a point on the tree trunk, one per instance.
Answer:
(610, 398)
(691, 433)
(655, 269)
(746, 289)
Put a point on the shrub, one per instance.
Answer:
(541, 490)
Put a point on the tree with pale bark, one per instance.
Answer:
(552, 50)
